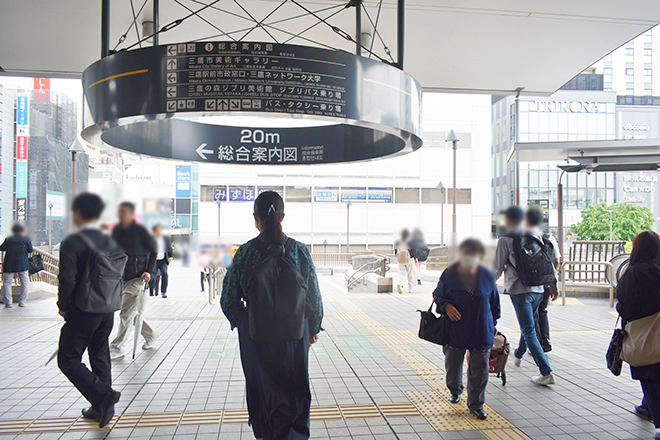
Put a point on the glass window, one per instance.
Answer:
(630, 73)
(298, 194)
(607, 71)
(630, 92)
(648, 92)
(630, 51)
(432, 195)
(648, 55)
(183, 221)
(463, 196)
(648, 72)
(182, 206)
(408, 195)
(194, 223)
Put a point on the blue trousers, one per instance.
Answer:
(526, 306)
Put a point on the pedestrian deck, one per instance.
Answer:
(371, 377)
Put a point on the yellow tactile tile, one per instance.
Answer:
(449, 422)
(235, 416)
(505, 434)
(359, 411)
(154, 420)
(325, 413)
(201, 418)
(398, 410)
(50, 425)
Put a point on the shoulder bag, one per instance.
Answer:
(641, 344)
(434, 328)
(613, 356)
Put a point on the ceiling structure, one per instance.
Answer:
(481, 46)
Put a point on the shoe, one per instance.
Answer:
(21, 304)
(91, 413)
(657, 435)
(8, 306)
(164, 295)
(547, 348)
(419, 282)
(107, 408)
(117, 354)
(399, 289)
(150, 344)
(517, 361)
(455, 398)
(643, 412)
(544, 380)
(479, 414)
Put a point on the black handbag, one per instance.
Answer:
(36, 264)
(613, 356)
(434, 328)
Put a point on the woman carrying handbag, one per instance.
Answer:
(638, 293)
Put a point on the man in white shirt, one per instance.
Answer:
(163, 259)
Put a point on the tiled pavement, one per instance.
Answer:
(371, 377)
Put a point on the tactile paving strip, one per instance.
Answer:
(359, 411)
(201, 418)
(398, 410)
(235, 416)
(504, 434)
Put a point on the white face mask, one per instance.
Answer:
(469, 261)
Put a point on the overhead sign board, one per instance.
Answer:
(161, 89)
(220, 194)
(382, 195)
(242, 194)
(354, 194)
(326, 194)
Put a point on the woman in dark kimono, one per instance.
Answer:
(276, 374)
(638, 293)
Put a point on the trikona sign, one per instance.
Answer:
(566, 106)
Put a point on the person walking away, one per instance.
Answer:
(525, 260)
(15, 260)
(140, 247)
(419, 251)
(467, 293)
(274, 341)
(534, 218)
(83, 330)
(638, 294)
(405, 269)
(163, 259)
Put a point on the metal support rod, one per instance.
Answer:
(442, 217)
(156, 13)
(561, 237)
(453, 214)
(105, 28)
(348, 223)
(219, 231)
(400, 37)
(358, 27)
(50, 227)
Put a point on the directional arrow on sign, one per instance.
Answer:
(171, 92)
(171, 78)
(171, 50)
(201, 151)
(171, 64)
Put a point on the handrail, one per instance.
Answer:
(563, 278)
(364, 274)
(382, 268)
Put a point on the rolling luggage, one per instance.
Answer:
(499, 354)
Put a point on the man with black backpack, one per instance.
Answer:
(90, 285)
(526, 259)
(140, 246)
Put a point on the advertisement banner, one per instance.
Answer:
(220, 194)
(22, 109)
(42, 89)
(57, 201)
(354, 194)
(380, 195)
(21, 209)
(183, 190)
(279, 190)
(326, 194)
(21, 147)
(21, 179)
(242, 194)
(184, 173)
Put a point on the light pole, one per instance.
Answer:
(348, 223)
(611, 223)
(74, 149)
(50, 227)
(442, 188)
(454, 145)
(217, 202)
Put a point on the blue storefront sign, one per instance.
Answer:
(326, 194)
(354, 194)
(22, 110)
(184, 173)
(278, 190)
(220, 194)
(21, 179)
(242, 194)
(183, 190)
(382, 195)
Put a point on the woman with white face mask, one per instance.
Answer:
(467, 293)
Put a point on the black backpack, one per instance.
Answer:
(534, 262)
(102, 282)
(276, 297)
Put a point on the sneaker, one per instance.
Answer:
(517, 361)
(544, 380)
(8, 306)
(21, 304)
(116, 354)
(148, 345)
(398, 288)
(164, 295)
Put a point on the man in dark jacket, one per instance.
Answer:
(140, 246)
(85, 331)
(163, 259)
(15, 261)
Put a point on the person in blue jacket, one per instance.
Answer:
(468, 295)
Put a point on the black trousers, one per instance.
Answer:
(161, 278)
(541, 320)
(651, 390)
(87, 331)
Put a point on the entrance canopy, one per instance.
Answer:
(608, 155)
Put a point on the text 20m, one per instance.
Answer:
(259, 137)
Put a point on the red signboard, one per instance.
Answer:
(42, 89)
(21, 147)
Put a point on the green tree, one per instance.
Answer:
(628, 221)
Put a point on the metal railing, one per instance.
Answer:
(50, 272)
(610, 283)
(584, 254)
(380, 268)
(216, 276)
(332, 260)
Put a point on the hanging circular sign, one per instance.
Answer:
(251, 103)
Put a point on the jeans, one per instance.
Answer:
(477, 374)
(87, 331)
(6, 286)
(132, 301)
(526, 305)
(161, 278)
(541, 319)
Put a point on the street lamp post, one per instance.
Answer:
(348, 223)
(50, 227)
(442, 188)
(217, 202)
(454, 145)
(74, 149)
(611, 223)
